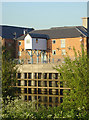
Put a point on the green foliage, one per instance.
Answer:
(18, 109)
(75, 74)
(8, 74)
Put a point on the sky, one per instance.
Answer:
(43, 15)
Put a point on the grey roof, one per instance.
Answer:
(34, 35)
(9, 32)
(63, 32)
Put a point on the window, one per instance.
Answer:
(19, 82)
(50, 83)
(63, 52)
(63, 43)
(50, 75)
(29, 97)
(25, 97)
(25, 90)
(54, 41)
(61, 92)
(45, 76)
(19, 53)
(54, 52)
(61, 99)
(25, 75)
(36, 40)
(39, 75)
(19, 43)
(25, 82)
(50, 99)
(19, 75)
(19, 90)
(29, 75)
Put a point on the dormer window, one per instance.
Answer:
(36, 40)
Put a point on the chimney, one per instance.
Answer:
(86, 22)
(25, 31)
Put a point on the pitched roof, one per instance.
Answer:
(9, 32)
(63, 32)
(34, 35)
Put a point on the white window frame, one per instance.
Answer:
(62, 43)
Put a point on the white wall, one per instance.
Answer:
(41, 45)
(28, 42)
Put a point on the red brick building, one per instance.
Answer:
(49, 45)
(60, 42)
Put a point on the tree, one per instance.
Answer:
(9, 71)
(75, 74)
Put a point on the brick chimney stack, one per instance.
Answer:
(86, 22)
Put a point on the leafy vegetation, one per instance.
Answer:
(18, 109)
(8, 75)
(75, 74)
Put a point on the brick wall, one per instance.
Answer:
(69, 44)
(67, 49)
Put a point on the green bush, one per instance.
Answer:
(18, 109)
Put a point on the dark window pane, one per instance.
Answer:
(50, 99)
(35, 75)
(29, 98)
(56, 75)
(50, 91)
(29, 75)
(25, 75)
(29, 83)
(61, 92)
(39, 83)
(61, 99)
(25, 90)
(50, 83)
(25, 82)
(19, 82)
(45, 76)
(39, 91)
(19, 75)
(19, 90)
(29, 90)
(25, 97)
(50, 75)
(39, 75)
(45, 83)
